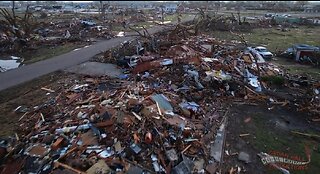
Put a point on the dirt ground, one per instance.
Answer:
(269, 131)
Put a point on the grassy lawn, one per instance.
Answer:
(296, 68)
(170, 17)
(145, 24)
(244, 13)
(263, 12)
(271, 131)
(266, 139)
(174, 17)
(276, 40)
(45, 53)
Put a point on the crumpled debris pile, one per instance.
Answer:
(167, 116)
(112, 125)
(59, 32)
(243, 70)
(77, 29)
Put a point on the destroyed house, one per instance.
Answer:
(68, 8)
(170, 8)
(301, 50)
(36, 8)
(57, 7)
(312, 9)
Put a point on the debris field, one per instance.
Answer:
(166, 114)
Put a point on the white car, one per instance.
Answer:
(263, 52)
(88, 22)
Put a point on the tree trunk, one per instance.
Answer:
(101, 9)
(13, 9)
(162, 12)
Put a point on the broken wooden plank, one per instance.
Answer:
(137, 116)
(306, 134)
(47, 89)
(58, 164)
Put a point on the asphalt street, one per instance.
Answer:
(26, 73)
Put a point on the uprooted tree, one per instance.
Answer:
(17, 29)
(203, 21)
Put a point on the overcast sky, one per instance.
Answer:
(171, 1)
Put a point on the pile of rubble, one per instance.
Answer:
(55, 33)
(167, 116)
(81, 28)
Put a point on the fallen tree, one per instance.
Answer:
(206, 22)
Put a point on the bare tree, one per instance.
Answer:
(17, 27)
(13, 9)
(217, 5)
(207, 4)
(101, 9)
(162, 13)
(301, 4)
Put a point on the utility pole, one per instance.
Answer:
(207, 4)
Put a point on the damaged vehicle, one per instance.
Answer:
(302, 52)
(263, 51)
(128, 61)
(88, 22)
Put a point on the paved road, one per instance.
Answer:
(26, 73)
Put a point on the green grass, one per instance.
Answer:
(171, 17)
(145, 24)
(295, 68)
(174, 17)
(120, 28)
(276, 80)
(245, 13)
(46, 53)
(267, 138)
(276, 40)
(304, 70)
